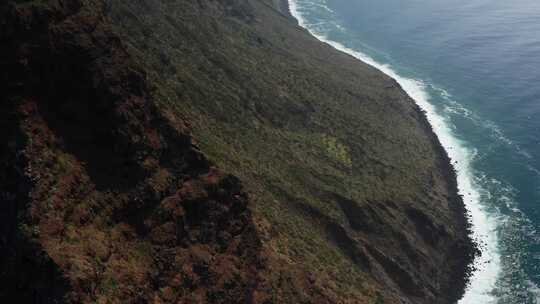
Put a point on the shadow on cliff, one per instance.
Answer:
(27, 273)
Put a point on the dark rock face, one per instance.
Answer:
(135, 130)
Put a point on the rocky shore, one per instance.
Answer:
(283, 6)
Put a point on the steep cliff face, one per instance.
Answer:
(212, 152)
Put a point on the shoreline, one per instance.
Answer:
(284, 7)
(466, 251)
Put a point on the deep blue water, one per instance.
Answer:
(477, 64)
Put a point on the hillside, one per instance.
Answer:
(213, 152)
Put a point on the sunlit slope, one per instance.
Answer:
(348, 181)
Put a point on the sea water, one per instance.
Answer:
(474, 67)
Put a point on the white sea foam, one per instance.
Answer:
(484, 227)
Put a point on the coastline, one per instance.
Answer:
(284, 7)
(465, 251)
(252, 182)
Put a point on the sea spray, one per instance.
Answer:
(484, 225)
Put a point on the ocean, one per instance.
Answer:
(474, 67)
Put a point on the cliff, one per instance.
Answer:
(213, 152)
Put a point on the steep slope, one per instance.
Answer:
(340, 161)
(105, 198)
(349, 197)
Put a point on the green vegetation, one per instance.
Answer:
(336, 150)
(299, 123)
(350, 198)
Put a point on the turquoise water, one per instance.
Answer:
(474, 66)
